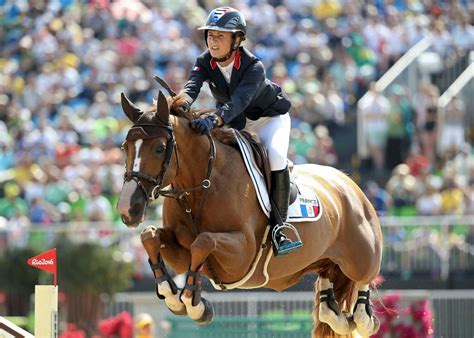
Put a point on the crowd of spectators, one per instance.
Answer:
(64, 63)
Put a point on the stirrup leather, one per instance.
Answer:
(289, 247)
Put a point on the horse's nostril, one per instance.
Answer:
(136, 210)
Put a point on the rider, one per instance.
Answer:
(246, 100)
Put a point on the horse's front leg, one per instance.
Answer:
(228, 246)
(155, 240)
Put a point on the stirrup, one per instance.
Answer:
(286, 248)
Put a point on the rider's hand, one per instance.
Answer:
(182, 110)
(204, 125)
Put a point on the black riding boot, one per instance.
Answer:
(280, 195)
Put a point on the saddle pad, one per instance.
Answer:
(306, 207)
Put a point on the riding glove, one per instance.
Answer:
(205, 124)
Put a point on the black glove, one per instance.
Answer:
(205, 124)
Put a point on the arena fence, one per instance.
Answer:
(438, 247)
(287, 314)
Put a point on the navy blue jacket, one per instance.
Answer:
(250, 94)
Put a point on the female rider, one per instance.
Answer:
(246, 100)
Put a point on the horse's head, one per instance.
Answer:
(148, 149)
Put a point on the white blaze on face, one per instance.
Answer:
(129, 187)
(138, 159)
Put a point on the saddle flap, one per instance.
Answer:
(261, 157)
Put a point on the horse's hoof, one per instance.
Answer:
(148, 233)
(208, 314)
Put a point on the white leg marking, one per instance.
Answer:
(171, 300)
(194, 312)
(338, 323)
(366, 325)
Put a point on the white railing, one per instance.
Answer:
(411, 244)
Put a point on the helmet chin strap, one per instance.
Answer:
(229, 55)
(225, 58)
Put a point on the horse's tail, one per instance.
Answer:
(345, 291)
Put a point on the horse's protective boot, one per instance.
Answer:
(280, 195)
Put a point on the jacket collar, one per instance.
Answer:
(237, 61)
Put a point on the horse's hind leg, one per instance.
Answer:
(367, 323)
(153, 239)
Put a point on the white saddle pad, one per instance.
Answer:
(306, 207)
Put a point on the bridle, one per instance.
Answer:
(140, 132)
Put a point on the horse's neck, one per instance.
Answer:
(194, 152)
(194, 157)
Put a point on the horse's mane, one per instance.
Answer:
(224, 135)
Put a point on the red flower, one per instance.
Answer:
(72, 332)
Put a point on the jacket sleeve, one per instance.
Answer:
(251, 81)
(196, 78)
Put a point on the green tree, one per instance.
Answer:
(18, 280)
(86, 271)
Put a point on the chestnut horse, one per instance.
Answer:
(213, 224)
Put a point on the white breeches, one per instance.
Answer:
(274, 134)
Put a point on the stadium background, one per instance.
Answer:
(406, 139)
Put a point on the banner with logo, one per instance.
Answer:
(45, 261)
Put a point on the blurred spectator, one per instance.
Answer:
(401, 187)
(400, 128)
(417, 162)
(379, 198)
(375, 109)
(426, 110)
(98, 207)
(324, 152)
(144, 326)
(12, 204)
(453, 129)
(452, 198)
(463, 34)
(440, 38)
(430, 201)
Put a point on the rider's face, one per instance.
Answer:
(219, 43)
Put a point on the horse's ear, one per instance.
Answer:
(132, 111)
(162, 109)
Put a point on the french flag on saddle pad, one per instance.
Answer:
(309, 210)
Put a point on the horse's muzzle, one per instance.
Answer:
(129, 223)
(131, 205)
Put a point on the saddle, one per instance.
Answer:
(263, 163)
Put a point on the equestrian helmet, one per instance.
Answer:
(225, 19)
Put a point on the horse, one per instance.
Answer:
(214, 226)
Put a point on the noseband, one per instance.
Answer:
(149, 131)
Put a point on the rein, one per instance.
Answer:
(181, 196)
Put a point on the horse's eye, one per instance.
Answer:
(160, 149)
